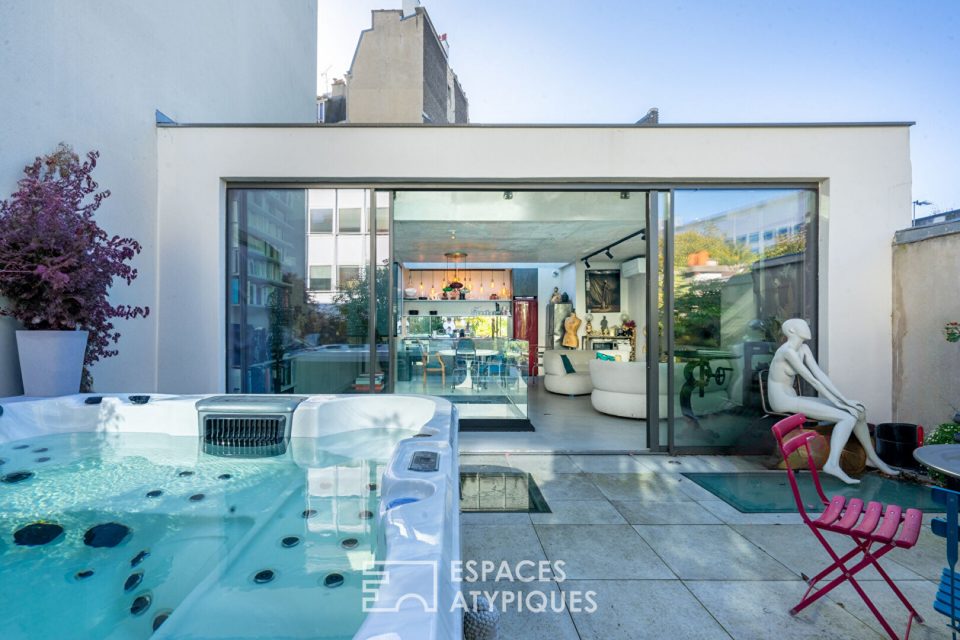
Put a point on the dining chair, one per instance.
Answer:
(887, 527)
(948, 595)
(425, 360)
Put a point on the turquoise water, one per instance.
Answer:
(191, 556)
(769, 491)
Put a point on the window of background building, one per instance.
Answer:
(321, 277)
(346, 275)
(350, 219)
(383, 219)
(321, 220)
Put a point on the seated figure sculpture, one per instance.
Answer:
(794, 358)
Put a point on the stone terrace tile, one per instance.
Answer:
(920, 593)
(797, 548)
(500, 543)
(579, 512)
(928, 558)
(608, 464)
(760, 610)
(568, 486)
(644, 512)
(543, 465)
(649, 487)
(486, 459)
(493, 517)
(601, 552)
(517, 621)
(641, 610)
(711, 552)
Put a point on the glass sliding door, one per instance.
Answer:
(302, 291)
(266, 287)
(741, 262)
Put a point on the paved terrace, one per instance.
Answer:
(668, 559)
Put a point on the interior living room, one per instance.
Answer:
(524, 309)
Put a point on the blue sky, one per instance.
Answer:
(723, 61)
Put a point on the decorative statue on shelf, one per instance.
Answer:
(604, 326)
(564, 297)
(793, 359)
(570, 326)
(589, 328)
(555, 297)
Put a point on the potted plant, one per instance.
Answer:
(56, 267)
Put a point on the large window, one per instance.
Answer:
(350, 219)
(321, 220)
(347, 276)
(730, 298)
(298, 299)
(320, 278)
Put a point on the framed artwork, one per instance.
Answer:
(603, 291)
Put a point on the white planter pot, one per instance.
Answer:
(51, 362)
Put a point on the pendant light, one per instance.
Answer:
(456, 257)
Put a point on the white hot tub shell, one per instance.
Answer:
(419, 510)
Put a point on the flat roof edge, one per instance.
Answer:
(926, 232)
(719, 125)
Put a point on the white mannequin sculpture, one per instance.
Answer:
(794, 358)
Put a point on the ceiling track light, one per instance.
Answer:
(586, 262)
(606, 250)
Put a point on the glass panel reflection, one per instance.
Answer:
(744, 262)
(299, 298)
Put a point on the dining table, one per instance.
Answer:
(480, 355)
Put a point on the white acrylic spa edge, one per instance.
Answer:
(421, 539)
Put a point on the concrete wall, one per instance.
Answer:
(462, 108)
(863, 175)
(385, 82)
(92, 72)
(435, 77)
(926, 296)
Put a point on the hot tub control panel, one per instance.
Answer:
(424, 461)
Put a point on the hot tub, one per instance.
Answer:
(130, 518)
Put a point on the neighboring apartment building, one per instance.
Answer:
(401, 74)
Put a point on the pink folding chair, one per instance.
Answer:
(843, 516)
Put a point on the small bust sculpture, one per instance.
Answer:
(555, 297)
(793, 359)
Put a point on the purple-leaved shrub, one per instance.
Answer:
(56, 263)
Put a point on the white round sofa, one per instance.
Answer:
(619, 388)
(557, 380)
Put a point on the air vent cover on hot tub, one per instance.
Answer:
(246, 426)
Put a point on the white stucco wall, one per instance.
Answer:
(92, 72)
(863, 173)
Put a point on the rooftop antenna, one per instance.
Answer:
(652, 117)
